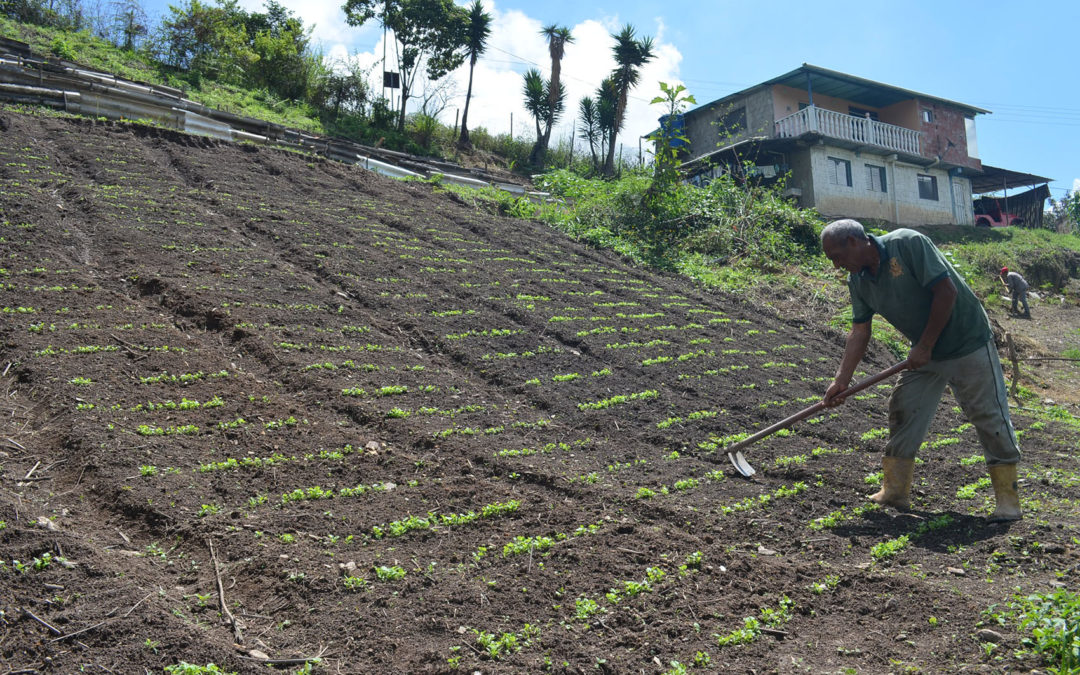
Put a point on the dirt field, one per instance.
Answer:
(405, 436)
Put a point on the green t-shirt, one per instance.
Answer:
(910, 266)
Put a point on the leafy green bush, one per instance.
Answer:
(1054, 623)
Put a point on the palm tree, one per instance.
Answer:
(535, 97)
(476, 42)
(557, 37)
(630, 54)
(607, 99)
(590, 127)
(538, 100)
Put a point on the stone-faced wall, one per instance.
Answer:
(945, 134)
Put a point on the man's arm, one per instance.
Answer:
(941, 308)
(854, 350)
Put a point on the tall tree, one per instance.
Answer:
(538, 100)
(589, 114)
(558, 37)
(475, 43)
(129, 24)
(607, 99)
(432, 34)
(630, 55)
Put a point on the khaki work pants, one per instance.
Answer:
(978, 386)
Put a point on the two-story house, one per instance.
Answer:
(853, 147)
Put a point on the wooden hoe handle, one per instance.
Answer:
(820, 405)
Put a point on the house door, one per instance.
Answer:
(962, 203)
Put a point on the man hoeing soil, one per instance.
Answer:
(903, 277)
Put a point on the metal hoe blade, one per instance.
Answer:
(740, 463)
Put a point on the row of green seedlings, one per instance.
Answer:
(38, 564)
(702, 353)
(42, 327)
(546, 449)
(390, 390)
(251, 463)
(753, 627)
(455, 430)
(349, 364)
(223, 425)
(104, 349)
(266, 326)
(569, 377)
(335, 348)
(759, 501)
(585, 609)
(185, 404)
(619, 399)
(715, 444)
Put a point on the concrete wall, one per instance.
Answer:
(901, 204)
(705, 134)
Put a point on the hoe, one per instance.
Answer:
(734, 452)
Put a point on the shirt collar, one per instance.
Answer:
(883, 257)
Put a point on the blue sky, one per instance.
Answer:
(1017, 60)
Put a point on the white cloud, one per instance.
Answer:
(515, 46)
(1076, 185)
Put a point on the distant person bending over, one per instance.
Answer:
(1018, 287)
(903, 277)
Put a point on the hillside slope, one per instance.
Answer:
(405, 435)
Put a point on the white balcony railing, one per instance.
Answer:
(860, 130)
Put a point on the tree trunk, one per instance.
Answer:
(620, 110)
(553, 97)
(536, 156)
(404, 100)
(463, 140)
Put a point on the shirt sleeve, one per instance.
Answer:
(925, 261)
(861, 311)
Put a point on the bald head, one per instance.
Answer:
(838, 231)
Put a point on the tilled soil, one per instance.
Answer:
(263, 406)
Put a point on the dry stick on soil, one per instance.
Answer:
(52, 629)
(80, 632)
(286, 662)
(221, 596)
(31, 471)
(14, 444)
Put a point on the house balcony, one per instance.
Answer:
(858, 132)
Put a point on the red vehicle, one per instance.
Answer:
(988, 213)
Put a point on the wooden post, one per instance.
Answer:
(1016, 366)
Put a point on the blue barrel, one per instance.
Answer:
(674, 127)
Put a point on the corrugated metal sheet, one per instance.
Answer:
(204, 126)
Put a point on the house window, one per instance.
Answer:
(875, 178)
(839, 171)
(927, 115)
(927, 187)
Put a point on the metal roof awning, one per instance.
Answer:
(857, 89)
(995, 178)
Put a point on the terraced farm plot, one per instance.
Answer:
(259, 401)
